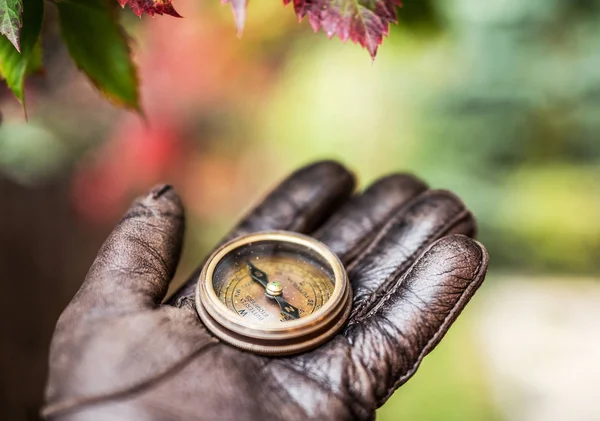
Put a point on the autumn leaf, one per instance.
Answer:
(150, 7)
(15, 65)
(364, 22)
(10, 20)
(99, 48)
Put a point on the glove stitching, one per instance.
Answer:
(387, 226)
(391, 292)
(383, 228)
(456, 309)
(355, 250)
(358, 315)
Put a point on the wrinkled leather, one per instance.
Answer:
(119, 354)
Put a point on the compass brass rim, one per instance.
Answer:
(207, 298)
(262, 334)
(278, 347)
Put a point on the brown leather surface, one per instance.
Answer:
(119, 354)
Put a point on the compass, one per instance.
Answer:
(274, 293)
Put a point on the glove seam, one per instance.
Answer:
(382, 291)
(456, 309)
(362, 244)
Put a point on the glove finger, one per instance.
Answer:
(352, 228)
(136, 263)
(390, 341)
(300, 203)
(429, 217)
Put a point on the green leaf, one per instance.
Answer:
(14, 66)
(99, 47)
(10, 20)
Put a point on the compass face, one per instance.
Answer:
(274, 293)
(273, 282)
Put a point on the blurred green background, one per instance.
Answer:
(497, 101)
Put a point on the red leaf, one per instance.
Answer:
(151, 7)
(364, 22)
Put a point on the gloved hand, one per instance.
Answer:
(119, 354)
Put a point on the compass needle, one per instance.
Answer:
(273, 290)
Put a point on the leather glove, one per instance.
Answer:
(119, 354)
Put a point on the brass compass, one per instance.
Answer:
(274, 293)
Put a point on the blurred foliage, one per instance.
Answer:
(502, 108)
(522, 121)
(20, 157)
(418, 14)
(99, 46)
(497, 102)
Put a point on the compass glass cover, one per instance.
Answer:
(272, 282)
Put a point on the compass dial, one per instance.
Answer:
(302, 277)
(273, 293)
